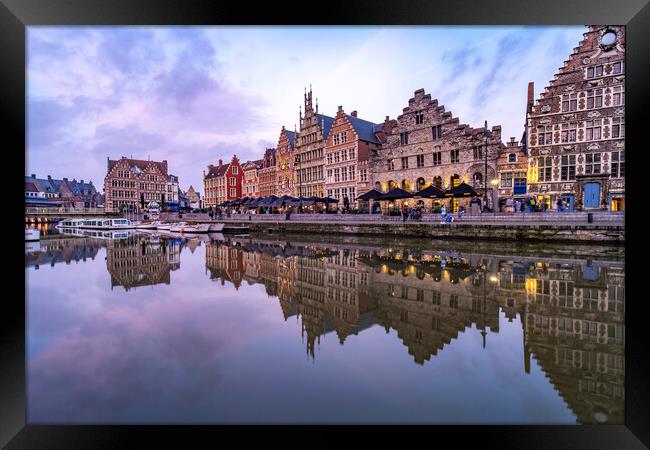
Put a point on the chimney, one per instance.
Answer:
(49, 178)
(340, 108)
(512, 142)
(220, 163)
(33, 175)
(531, 96)
(64, 179)
(81, 181)
(353, 114)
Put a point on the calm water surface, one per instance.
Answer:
(259, 329)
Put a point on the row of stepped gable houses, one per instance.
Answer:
(572, 147)
(130, 184)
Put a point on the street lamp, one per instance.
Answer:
(485, 140)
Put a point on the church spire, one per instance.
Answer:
(316, 105)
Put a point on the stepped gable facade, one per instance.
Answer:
(427, 145)
(576, 129)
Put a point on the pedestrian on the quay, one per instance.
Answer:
(461, 212)
(517, 206)
(443, 214)
(560, 204)
(405, 212)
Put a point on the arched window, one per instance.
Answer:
(420, 183)
(437, 181)
(477, 179)
(406, 185)
(391, 185)
(454, 180)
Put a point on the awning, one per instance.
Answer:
(430, 191)
(395, 194)
(462, 190)
(372, 194)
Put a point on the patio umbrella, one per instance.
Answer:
(328, 200)
(462, 190)
(372, 194)
(395, 194)
(430, 192)
(267, 201)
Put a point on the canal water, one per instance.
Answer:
(301, 329)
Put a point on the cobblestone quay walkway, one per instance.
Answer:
(564, 227)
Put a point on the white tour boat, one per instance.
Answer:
(70, 223)
(108, 224)
(97, 224)
(164, 226)
(177, 227)
(32, 234)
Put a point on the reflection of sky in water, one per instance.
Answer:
(198, 351)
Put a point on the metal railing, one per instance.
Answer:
(48, 211)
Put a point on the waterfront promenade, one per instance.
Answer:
(573, 227)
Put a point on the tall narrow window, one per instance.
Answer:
(592, 129)
(391, 164)
(594, 98)
(404, 138)
(437, 158)
(592, 163)
(405, 162)
(618, 127)
(437, 131)
(420, 160)
(478, 152)
(569, 132)
(419, 117)
(618, 164)
(568, 167)
(544, 168)
(544, 135)
(455, 156)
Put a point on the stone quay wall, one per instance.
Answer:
(566, 233)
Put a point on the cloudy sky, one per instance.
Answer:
(193, 95)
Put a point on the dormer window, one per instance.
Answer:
(419, 118)
(512, 158)
(234, 170)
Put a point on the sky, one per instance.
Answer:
(194, 95)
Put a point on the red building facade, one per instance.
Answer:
(223, 182)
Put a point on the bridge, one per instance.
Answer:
(49, 214)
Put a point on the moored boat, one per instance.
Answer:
(108, 224)
(164, 226)
(32, 234)
(146, 225)
(177, 227)
(70, 223)
(216, 227)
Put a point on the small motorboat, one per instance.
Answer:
(164, 226)
(146, 225)
(177, 227)
(32, 234)
(216, 227)
(196, 228)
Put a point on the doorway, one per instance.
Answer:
(592, 195)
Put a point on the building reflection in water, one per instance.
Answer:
(571, 311)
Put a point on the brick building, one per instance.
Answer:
(347, 145)
(134, 183)
(310, 143)
(267, 174)
(576, 130)
(285, 155)
(223, 182)
(250, 180)
(426, 145)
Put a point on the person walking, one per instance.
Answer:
(560, 205)
(404, 213)
(443, 214)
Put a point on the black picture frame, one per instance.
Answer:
(16, 15)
